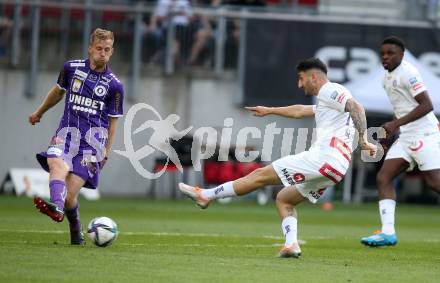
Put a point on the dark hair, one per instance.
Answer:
(394, 40)
(311, 63)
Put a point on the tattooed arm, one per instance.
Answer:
(357, 114)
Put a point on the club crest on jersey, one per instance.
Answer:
(76, 86)
(100, 90)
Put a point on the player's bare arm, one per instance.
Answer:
(293, 111)
(424, 107)
(357, 114)
(52, 98)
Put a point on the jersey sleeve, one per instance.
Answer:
(115, 104)
(62, 77)
(413, 82)
(337, 99)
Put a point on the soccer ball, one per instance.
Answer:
(102, 231)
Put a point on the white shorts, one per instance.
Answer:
(421, 150)
(311, 172)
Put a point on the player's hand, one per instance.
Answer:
(371, 148)
(390, 127)
(35, 118)
(259, 111)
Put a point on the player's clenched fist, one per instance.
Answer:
(371, 148)
(34, 118)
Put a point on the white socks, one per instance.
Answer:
(222, 191)
(387, 208)
(289, 226)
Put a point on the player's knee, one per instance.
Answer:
(259, 176)
(280, 200)
(71, 199)
(434, 183)
(57, 167)
(382, 179)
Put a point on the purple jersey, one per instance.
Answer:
(91, 97)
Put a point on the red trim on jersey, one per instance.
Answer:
(341, 98)
(342, 147)
(331, 173)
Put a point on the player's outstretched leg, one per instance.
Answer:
(286, 201)
(196, 194)
(256, 179)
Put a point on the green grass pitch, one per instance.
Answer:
(173, 241)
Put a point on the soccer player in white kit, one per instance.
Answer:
(304, 175)
(419, 139)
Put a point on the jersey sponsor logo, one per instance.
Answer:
(395, 83)
(54, 150)
(334, 95)
(77, 64)
(76, 86)
(294, 179)
(85, 104)
(317, 194)
(415, 83)
(298, 177)
(100, 90)
(80, 74)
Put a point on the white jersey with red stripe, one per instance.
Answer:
(328, 159)
(402, 85)
(331, 119)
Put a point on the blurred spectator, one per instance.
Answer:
(189, 29)
(176, 12)
(203, 32)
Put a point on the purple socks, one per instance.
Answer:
(58, 193)
(73, 217)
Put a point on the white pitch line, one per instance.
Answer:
(173, 234)
(166, 245)
(213, 235)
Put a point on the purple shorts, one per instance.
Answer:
(87, 170)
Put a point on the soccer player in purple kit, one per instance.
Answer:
(83, 140)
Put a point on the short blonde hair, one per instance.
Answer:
(101, 34)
